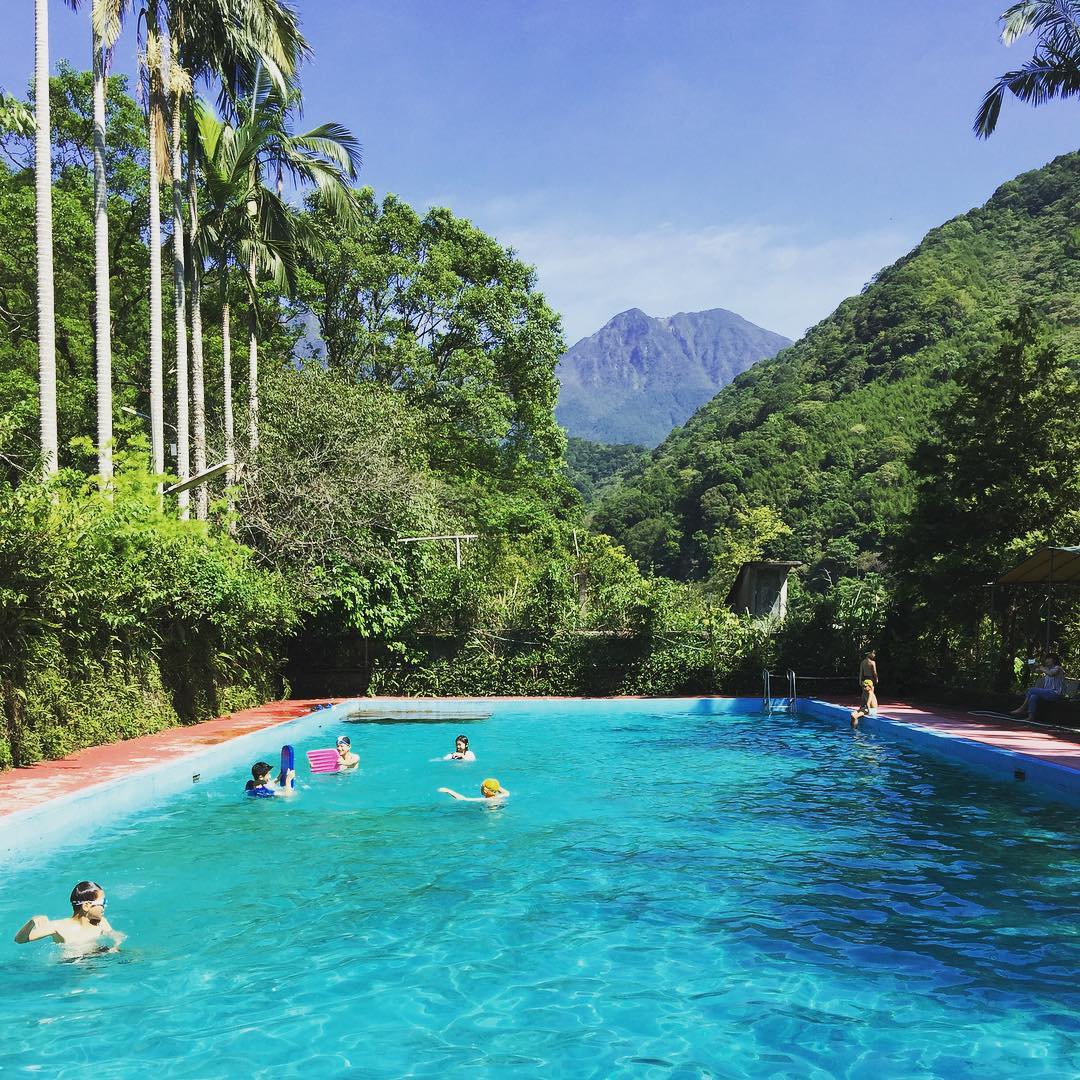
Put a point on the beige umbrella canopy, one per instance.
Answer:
(1049, 566)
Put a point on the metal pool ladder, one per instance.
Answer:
(772, 704)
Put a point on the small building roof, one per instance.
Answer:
(1049, 565)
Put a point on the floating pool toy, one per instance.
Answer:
(323, 760)
(288, 761)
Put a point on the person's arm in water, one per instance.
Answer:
(471, 798)
(457, 795)
(288, 785)
(36, 928)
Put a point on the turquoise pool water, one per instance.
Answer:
(666, 894)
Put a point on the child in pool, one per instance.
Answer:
(490, 791)
(260, 785)
(346, 758)
(86, 926)
(461, 750)
(868, 705)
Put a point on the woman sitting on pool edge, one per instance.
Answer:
(261, 787)
(490, 791)
(86, 926)
(868, 705)
(461, 751)
(346, 758)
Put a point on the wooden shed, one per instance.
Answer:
(761, 589)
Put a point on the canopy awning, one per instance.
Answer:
(1048, 566)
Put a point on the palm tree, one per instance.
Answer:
(326, 157)
(43, 223)
(242, 223)
(1054, 68)
(102, 312)
(210, 46)
(179, 85)
(210, 39)
(155, 116)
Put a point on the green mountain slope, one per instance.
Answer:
(822, 432)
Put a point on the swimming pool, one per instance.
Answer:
(670, 892)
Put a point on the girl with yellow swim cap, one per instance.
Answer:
(489, 789)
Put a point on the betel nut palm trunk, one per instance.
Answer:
(154, 124)
(43, 225)
(102, 313)
(198, 373)
(178, 84)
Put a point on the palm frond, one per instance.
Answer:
(1057, 22)
(335, 143)
(1054, 69)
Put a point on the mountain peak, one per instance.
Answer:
(638, 376)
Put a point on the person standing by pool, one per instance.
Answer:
(461, 750)
(868, 668)
(86, 926)
(490, 791)
(346, 758)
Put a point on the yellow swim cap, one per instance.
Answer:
(490, 787)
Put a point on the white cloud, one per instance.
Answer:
(767, 274)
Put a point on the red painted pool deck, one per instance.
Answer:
(33, 785)
(1057, 747)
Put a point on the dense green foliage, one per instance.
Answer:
(906, 451)
(926, 431)
(590, 466)
(823, 433)
(116, 619)
(998, 479)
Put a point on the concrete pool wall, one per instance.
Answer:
(1057, 781)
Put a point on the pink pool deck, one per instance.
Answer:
(1042, 744)
(34, 785)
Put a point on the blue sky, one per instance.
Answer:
(678, 155)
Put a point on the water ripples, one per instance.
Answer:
(663, 896)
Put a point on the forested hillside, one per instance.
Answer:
(808, 455)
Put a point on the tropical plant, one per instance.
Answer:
(243, 224)
(325, 158)
(1054, 68)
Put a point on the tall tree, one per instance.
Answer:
(155, 121)
(102, 305)
(43, 223)
(1054, 68)
(213, 39)
(327, 157)
(242, 224)
(997, 479)
(179, 84)
(213, 44)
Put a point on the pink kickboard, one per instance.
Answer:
(323, 760)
